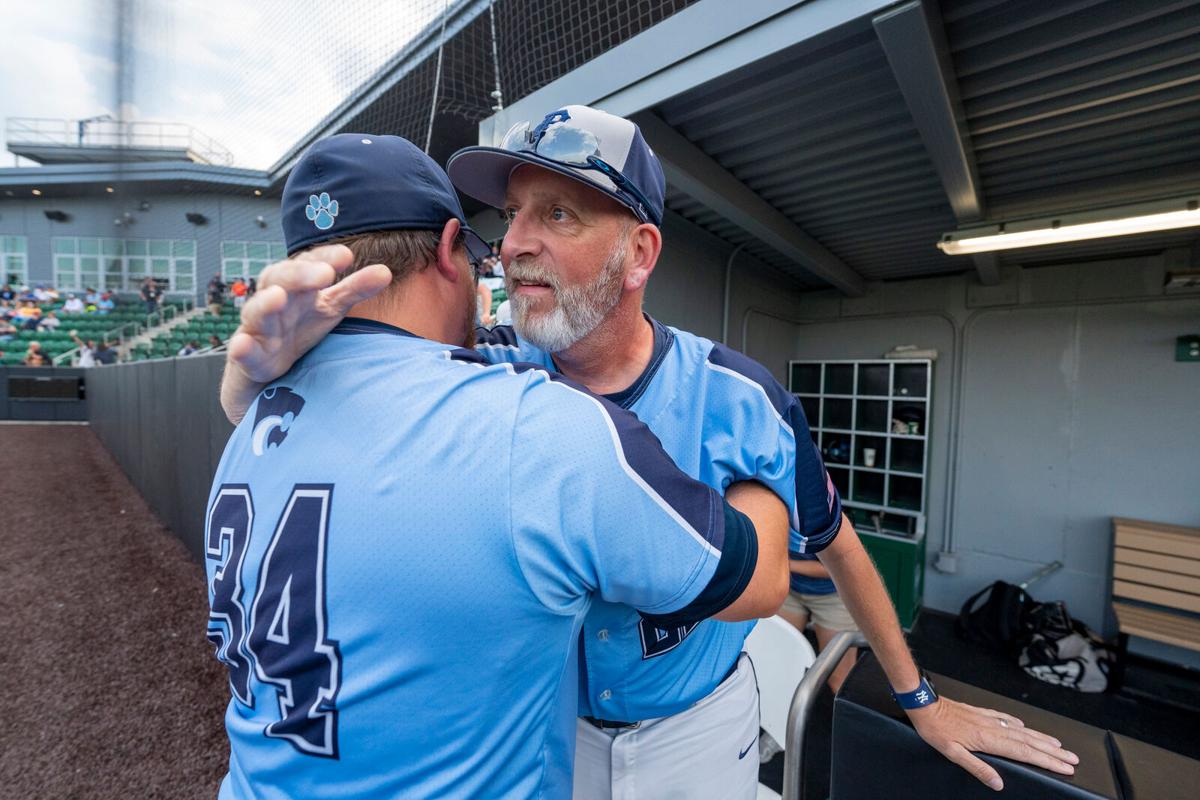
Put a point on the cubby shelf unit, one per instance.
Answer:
(856, 409)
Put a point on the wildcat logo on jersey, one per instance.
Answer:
(277, 409)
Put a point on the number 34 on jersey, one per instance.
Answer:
(278, 639)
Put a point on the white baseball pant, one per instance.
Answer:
(707, 751)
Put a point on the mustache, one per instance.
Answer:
(529, 271)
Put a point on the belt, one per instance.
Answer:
(611, 724)
(608, 724)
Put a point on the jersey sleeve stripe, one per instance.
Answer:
(752, 372)
(694, 506)
(817, 513)
(690, 503)
(758, 387)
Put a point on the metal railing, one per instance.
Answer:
(802, 705)
(116, 133)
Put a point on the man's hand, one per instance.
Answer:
(296, 305)
(956, 729)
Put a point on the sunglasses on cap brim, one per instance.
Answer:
(578, 148)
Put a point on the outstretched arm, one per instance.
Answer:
(768, 586)
(297, 304)
(954, 729)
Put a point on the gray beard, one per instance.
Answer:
(577, 311)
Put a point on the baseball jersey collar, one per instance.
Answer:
(663, 338)
(352, 326)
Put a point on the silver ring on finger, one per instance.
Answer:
(1003, 723)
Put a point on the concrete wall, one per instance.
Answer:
(687, 287)
(1057, 405)
(229, 218)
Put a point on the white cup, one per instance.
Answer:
(868, 456)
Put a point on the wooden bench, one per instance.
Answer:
(1157, 567)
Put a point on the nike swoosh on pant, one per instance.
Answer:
(742, 754)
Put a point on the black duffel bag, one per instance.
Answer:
(998, 616)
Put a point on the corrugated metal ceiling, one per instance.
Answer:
(1070, 104)
(826, 138)
(1079, 103)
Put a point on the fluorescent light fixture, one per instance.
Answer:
(1124, 221)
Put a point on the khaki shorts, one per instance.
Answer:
(826, 610)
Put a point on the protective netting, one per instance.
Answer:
(278, 68)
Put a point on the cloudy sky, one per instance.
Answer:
(255, 75)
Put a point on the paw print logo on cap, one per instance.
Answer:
(321, 210)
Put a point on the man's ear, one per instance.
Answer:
(645, 245)
(445, 251)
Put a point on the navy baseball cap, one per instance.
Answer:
(359, 182)
(604, 151)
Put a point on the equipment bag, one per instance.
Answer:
(998, 617)
(1064, 652)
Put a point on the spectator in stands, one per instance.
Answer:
(239, 290)
(214, 341)
(813, 598)
(90, 296)
(106, 304)
(149, 294)
(27, 315)
(73, 305)
(105, 354)
(25, 294)
(35, 356)
(7, 330)
(188, 348)
(493, 267)
(42, 294)
(7, 294)
(216, 295)
(87, 350)
(251, 287)
(49, 322)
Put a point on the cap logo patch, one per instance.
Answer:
(321, 210)
(553, 118)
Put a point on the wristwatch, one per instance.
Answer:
(922, 696)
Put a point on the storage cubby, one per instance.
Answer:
(870, 421)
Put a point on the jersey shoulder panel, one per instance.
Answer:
(729, 362)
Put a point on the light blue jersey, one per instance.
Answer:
(391, 629)
(723, 418)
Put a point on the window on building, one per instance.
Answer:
(14, 260)
(120, 264)
(248, 259)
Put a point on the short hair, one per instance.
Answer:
(404, 252)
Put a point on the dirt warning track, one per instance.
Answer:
(111, 688)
